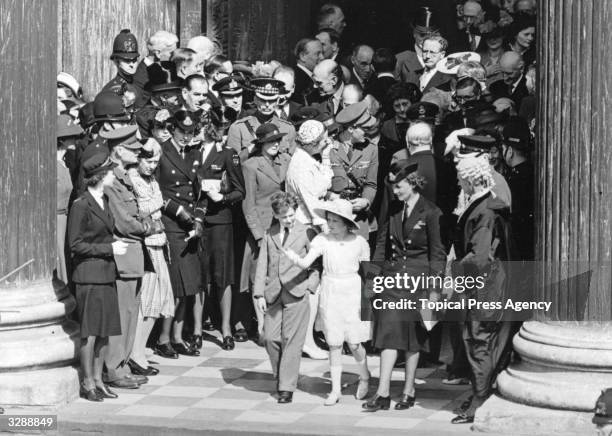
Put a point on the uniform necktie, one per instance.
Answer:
(285, 236)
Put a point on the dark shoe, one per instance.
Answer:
(140, 379)
(124, 383)
(105, 392)
(463, 407)
(185, 350)
(285, 397)
(241, 335)
(196, 341)
(377, 403)
(166, 350)
(139, 370)
(208, 326)
(405, 402)
(463, 419)
(91, 394)
(228, 343)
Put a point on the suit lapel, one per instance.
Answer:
(293, 235)
(211, 157)
(395, 220)
(265, 166)
(275, 235)
(357, 153)
(414, 216)
(176, 159)
(103, 214)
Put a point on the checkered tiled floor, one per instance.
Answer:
(233, 391)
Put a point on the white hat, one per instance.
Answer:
(69, 81)
(450, 63)
(310, 132)
(339, 207)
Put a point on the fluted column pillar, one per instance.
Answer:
(37, 340)
(566, 354)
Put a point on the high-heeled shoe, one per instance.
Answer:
(405, 402)
(228, 343)
(377, 403)
(105, 391)
(362, 388)
(196, 341)
(139, 370)
(184, 349)
(332, 399)
(90, 394)
(314, 353)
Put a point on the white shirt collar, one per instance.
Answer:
(385, 75)
(409, 205)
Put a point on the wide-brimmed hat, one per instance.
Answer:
(267, 133)
(450, 63)
(340, 207)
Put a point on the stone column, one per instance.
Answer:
(567, 353)
(37, 341)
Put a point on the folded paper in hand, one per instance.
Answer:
(211, 185)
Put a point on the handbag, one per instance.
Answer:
(131, 265)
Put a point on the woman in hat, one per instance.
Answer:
(156, 298)
(340, 299)
(310, 180)
(489, 58)
(408, 242)
(92, 246)
(264, 175)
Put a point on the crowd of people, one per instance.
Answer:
(197, 193)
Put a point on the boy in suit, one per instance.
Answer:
(281, 289)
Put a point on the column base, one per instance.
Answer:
(500, 416)
(45, 387)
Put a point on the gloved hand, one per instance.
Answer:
(198, 228)
(184, 216)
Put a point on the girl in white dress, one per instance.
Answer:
(340, 300)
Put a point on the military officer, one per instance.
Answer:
(222, 189)
(230, 90)
(354, 162)
(242, 133)
(125, 56)
(176, 174)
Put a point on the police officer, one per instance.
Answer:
(355, 163)
(125, 56)
(182, 220)
(517, 147)
(242, 133)
(230, 90)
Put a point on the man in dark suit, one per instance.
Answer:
(512, 66)
(156, 68)
(361, 65)
(308, 53)
(330, 40)
(328, 82)
(286, 107)
(434, 50)
(384, 64)
(469, 38)
(281, 289)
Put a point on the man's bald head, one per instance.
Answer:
(472, 13)
(327, 76)
(511, 64)
(351, 94)
(203, 46)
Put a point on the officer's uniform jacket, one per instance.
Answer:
(177, 178)
(120, 83)
(222, 163)
(241, 134)
(413, 242)
(261, 182)
(362, 166)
